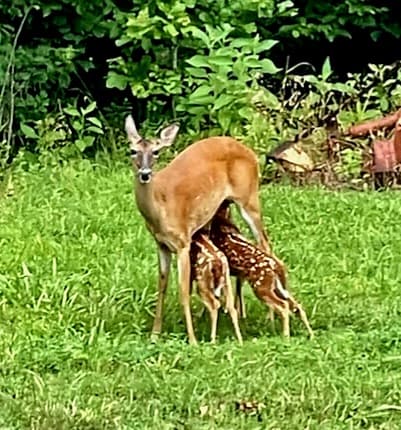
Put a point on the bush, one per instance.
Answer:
(201, 63)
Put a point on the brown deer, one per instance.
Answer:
(265, 272)
(210, 270)
(182, 197)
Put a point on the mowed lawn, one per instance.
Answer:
(78, 276)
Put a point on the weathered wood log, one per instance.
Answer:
(364, 128)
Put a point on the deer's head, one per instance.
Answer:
(144, 152)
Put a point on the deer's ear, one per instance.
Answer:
(131, 130)
(168, 135)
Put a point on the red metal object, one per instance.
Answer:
(387, 153)
(384, 156)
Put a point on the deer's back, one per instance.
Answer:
(194, 184)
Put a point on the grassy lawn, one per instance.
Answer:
(78, 277)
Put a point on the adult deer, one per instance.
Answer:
(182, 197)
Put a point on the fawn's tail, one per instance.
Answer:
(280, 290)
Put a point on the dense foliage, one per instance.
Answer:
(205, 64)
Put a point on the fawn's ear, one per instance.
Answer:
(168, 135)
(131, 130)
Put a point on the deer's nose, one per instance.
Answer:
(144, 175)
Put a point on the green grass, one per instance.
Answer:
(78, 277)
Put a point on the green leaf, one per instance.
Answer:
(224, 119)
(223, 100)
(198, 61)
(94, 129)
(384, 104)
(181, 107)
(84, 143)
(246, 113)
(201, 100)
(311, 79)
(252, 62)
(171, 30)
(90, 108)
(266, 45)
(114, 80)
(344, 88)
(199, 34)
(221, 60)
(72, 111)
(197, 110)
(267, 66)
(201, 91)
(241, 42)
(326, 69)
(95, 121)
(77, 125)
(28, 131)
(197, 72)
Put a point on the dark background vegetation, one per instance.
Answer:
(115, 56)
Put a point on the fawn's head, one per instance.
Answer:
(144, 152)
(224, 212)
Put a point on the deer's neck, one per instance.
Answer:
(144, 195)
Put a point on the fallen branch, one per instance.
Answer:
(367, 127)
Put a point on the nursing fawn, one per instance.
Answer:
(264, 272)
(210, 270)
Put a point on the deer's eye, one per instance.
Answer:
(134, 152)
(155, 153)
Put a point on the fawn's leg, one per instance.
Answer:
(231, 308)
(214, 315)
(270, 317)
(285, 315)
(282, 308)
(297, 308)
(239, 298)
(205, 289)
(304, 319)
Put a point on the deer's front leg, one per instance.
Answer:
(184, 271)
(164, 271)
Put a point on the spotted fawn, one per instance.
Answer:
(265, 273)
(210, 270)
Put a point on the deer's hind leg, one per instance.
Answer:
(251, 213)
